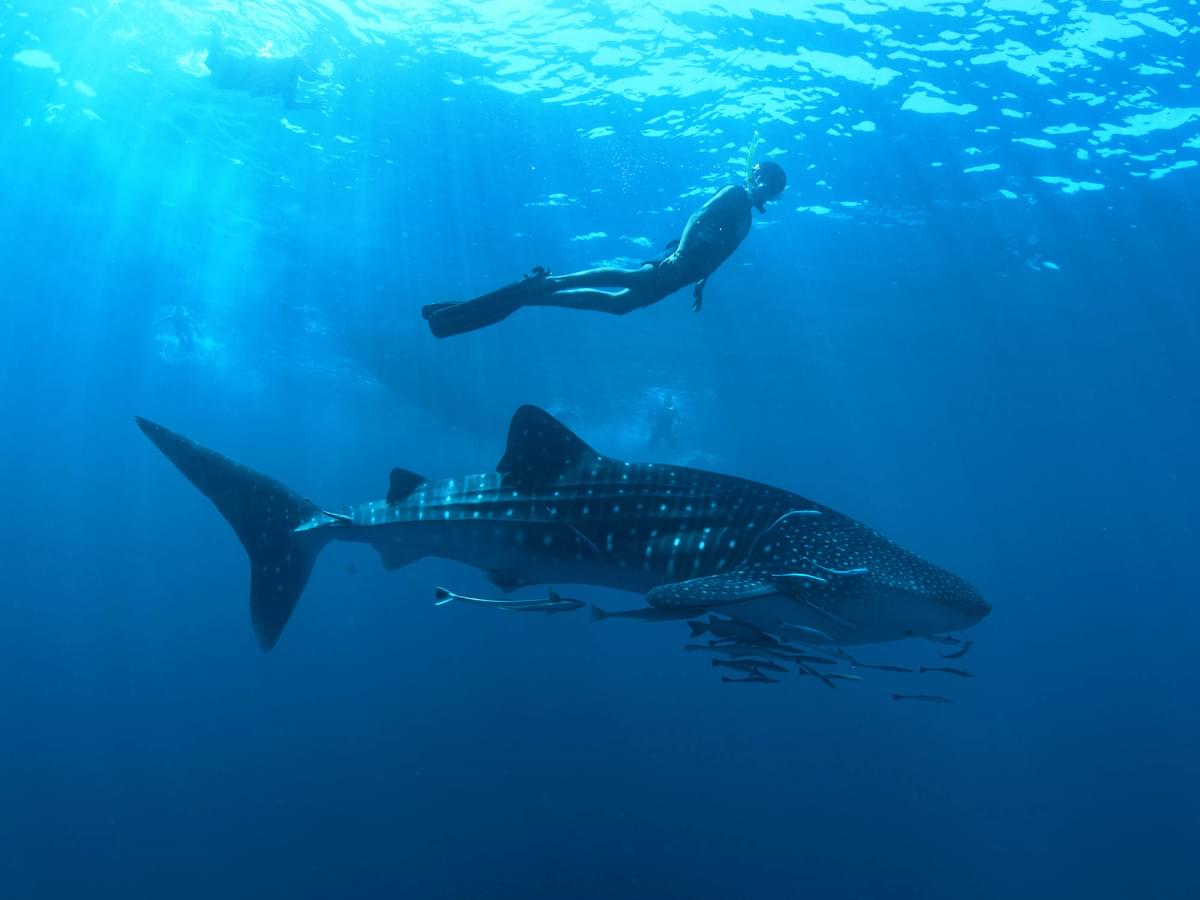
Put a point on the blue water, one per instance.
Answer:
(971, 322)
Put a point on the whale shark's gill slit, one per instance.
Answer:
(579, 534)
(845, 623)
(787, 515)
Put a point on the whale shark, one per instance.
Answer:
(556, 511)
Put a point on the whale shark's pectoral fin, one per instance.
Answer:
(394, 556)
(712, 591)
(540, 449)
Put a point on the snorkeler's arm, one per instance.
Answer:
(300, 70)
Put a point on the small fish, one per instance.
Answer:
(733, 650)
(961, 673)
(812, 633)
(646, 614)
(747, 665)
(736, 651)
(811, 660)
(862, 665)
(552, 603)
(732, 629)
(778, 651)
(943, 639)
(820, 676)
(842, 676)
(926, 698)
(957, 653)
(750, 679)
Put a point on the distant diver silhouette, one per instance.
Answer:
(259, 76)
(663, 422)
(184, 326)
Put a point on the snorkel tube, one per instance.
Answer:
(754, 142)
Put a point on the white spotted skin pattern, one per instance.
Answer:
(646, 524)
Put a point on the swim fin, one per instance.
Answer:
(429, 309)
(447, 319)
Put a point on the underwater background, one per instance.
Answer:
(971, 322)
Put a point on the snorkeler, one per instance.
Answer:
(663, 422)
(259, 76)
(185, 327)
(712, 233)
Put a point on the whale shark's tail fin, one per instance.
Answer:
(264, 513)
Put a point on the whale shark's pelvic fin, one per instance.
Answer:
(540, 449)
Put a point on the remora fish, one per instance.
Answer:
(957, 653)
(961, 673)
(880, 668)
(862, 665)
(775, 651)
(736, 651)
(806, 669)
(732, 630)
(943, 639)
(811, 633)
(750, 679)
(926, 698)
(747, 665)
(807, 658)
(552, 603)
(556, 511)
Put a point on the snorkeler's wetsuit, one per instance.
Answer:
(711, 234)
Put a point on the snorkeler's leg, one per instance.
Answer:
(617, 303)
(608, 276)
(582, 290)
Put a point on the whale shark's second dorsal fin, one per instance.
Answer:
(401, 483)
(540, 448)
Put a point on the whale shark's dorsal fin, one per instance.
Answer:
(402, 483)
(540, 448)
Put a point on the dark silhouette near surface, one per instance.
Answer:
(712, 233)
(259, 76)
